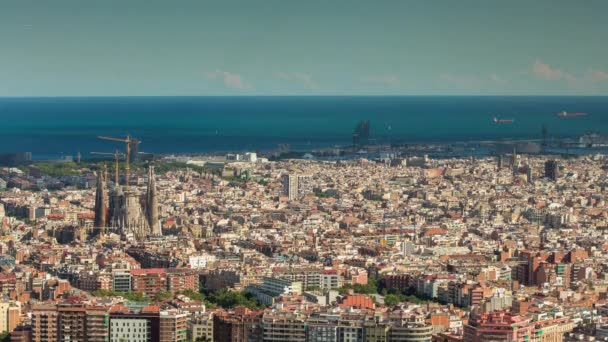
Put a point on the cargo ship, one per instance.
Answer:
(502, 121)
(570, 115)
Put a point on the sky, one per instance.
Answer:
(312, 47)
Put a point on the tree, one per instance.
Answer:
(132, 296)
(105, 293)
(193, 295)
(162, 295)
(136, 296)
(391, 300)
(230, 299)
(370, 288)
(263, 182)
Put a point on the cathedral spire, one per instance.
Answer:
(152, 204)
(100, 202)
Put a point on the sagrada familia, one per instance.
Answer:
(124, 211)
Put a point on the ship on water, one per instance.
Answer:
(503, 121)
(565, 114)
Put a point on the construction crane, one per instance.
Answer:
(116, 155)
(129, 143)
(135, 148)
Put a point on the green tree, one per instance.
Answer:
(391, 299)
(230, 299)
(162, 295)
(132, 296)
(136, 296)
(106, 293)
(193, 295)
(263, 182)
(370, 288)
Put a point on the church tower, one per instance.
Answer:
(127, 217)
(101, 205)
(123, 211)
(152, 204)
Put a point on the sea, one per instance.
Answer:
(52, 126)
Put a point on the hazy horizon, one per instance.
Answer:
(299, 95)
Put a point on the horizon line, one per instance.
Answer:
(287, 95)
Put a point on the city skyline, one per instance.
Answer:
(303, 171)
(156, 48)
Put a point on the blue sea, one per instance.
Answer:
(50, 126)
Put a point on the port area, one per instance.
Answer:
(479, 148)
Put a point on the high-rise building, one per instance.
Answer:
(70, 322)
(97, 324)
(45, 320)
(529, 174)
(527, 270)
(251, 157)
(14, 316)
(15, 158)
(296, 186)
(551, 169)
(290, 186)
(361, 134)
(9, 315)
(305, 186)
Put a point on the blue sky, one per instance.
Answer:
(284, 47)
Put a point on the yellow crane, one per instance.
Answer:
(129, 142)
(117, 156)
